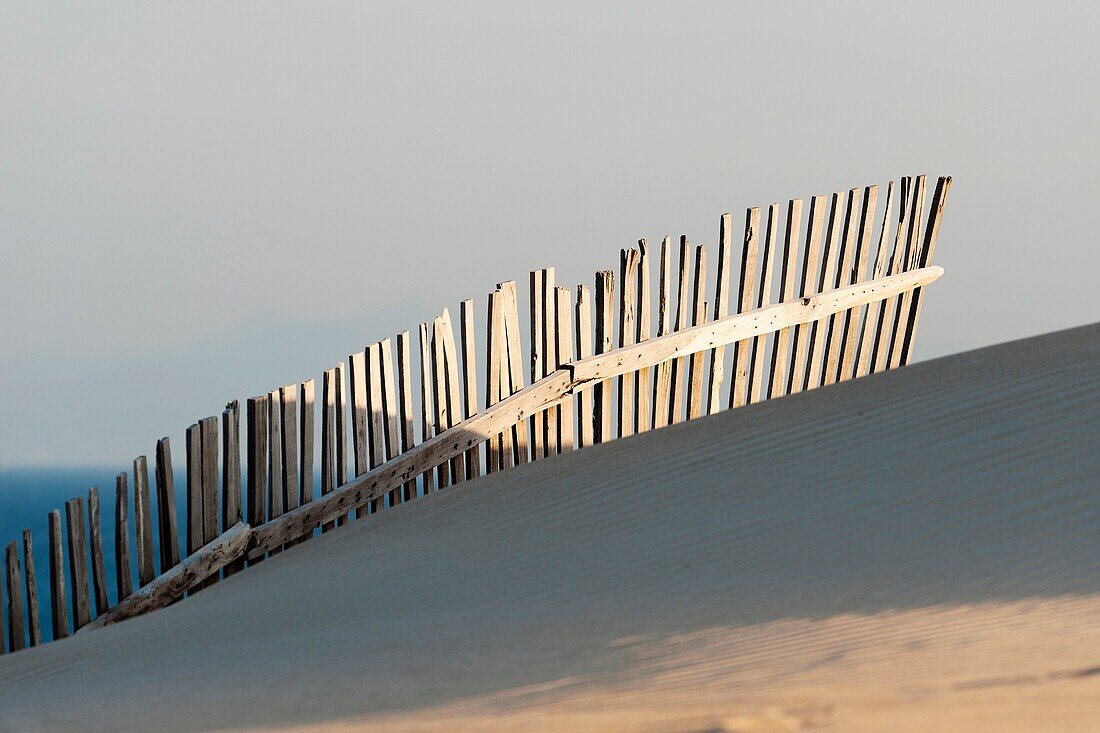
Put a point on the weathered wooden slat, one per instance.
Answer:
(208, 433)
(931, 234)
(405, 403)
(801, 339)
(454, 391)
(95, 539)
(288, 396)
(192, 572)
(566, 380)
(605, 287)
(763, 298)
(584, 350)
(194, 488)
(231, 478)
(439, 387)
(645, 331)
(328, 437)
(679, 367)
(340, 427)
(563, 353)
(819, 328)
(746, 295)
(885, 327)
(662, 373)
(872, 321)
(34, 624)
(78, 561)
(275, 492)
(307, 396)
(376, 415)
(17, 627)
(628, 331)
(538, 325)
(549, 359)
(469, 380)
(912, 257)
(777, 379)
(845, 275)
(357, 377)
(59, 618)
(852, 318)
(721, 310)
(124, 579)
(390, 409)
(426, 392)
(143, 521)
(519, 437)
(697, 361)
(168, 527)
(494, 372)
(256, 411)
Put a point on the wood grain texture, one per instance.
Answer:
(538, 339)
(872, 320)
(819, 328)
(563, 352)
(167, 524)
(746, 296)
(194, 488)
(95, 539)
(275, 492)
(627, 399)
(307, 397)
(778, 374)
(340, 427)
(208, 432)
(124, 579)
(34, 624)
(197, 568)
(376, 414)
(679, 367)
(763, 298)
(845, 275)
(549, 359)
(520, 437)
(454, 391)
(59, 618)
(495, 374)
(721, 310)
(605, 289)
(288, 395)
(143, 521)
(469, 379)
(390, 408)
(256, 411)
(853, 319)
(801, 339)
(645, 332)
(328, 438)
(697, 361)
(662, 373)
(439, 390)
(78, 561)
(585, 402)
(405, 403)
(17, 626)
(427, 413)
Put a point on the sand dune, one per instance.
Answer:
(912, 551)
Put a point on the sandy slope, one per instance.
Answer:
(913, 551)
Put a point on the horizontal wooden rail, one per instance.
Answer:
(171, 586)
(560, 384)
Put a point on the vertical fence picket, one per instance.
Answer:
(644, 389)
(852, 317)
(124, 581)
(538, 323)
(231, 479)
(845, 276)
(605, 287)
(390, 409)
(912, 249)
(256, 412)
(469, 380)
(34, 624)
(453, 390)
(78, 562)
(881, 354)
(274, 454)
(563, 352)
(143, 522)
(288, 396)
(340, 428)
(426, 392)
(357, 378)
(549, 359)
(208, 433)
(405, 403)
(721, 310)
(679, 365)
(494, 372)
(628, 331)
(935, 217)
(166, 507)
(746, 295)
(584, 350)
(328, 436)
(662, 373)
(763, 298)
(306, 408)
(439, 384)
(95, 539)
(801, 339)
(697, 361)
(872, 319)
(777, 379)
(17, 632)
(59, 619)
(194, 489)
(376, 412)
(818, 335)
(520, 437)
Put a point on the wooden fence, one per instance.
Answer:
(810, 310)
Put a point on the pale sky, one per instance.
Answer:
(202, 201)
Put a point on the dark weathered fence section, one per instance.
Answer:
(816, 302)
